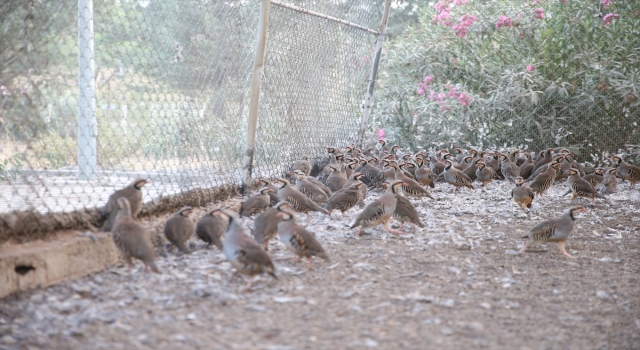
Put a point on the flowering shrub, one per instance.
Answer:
(511, 72)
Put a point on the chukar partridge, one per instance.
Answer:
(345, 199)
(244, 254)
(522, 194)
(299, 201)
(627, 171)
(455, 177)
(297, 239)
(609, 182)
(179, 228)
(265, 226)
(256, 203)
(555, 230)
(380, 211)
(133, 194)
(581, 188)
(131, 238)
(210, 229)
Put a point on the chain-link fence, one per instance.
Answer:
(513, 74)
(97, 93)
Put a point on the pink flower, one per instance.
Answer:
(421, 88)
(503, 21)
(420, 91)
(441, 96)
(608, 18)
(606, 3)
(432, 95)
(380, 134)
(539, 13)
(428, 79)
(444, 15)
(459, 2)
(454, 92)
(464, 99)
(530, 68)
(465, 22)
(440, 5)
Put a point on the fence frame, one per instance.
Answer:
(258, 70)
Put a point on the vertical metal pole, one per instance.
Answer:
(368, 99)
(254, 103)
(87, 123)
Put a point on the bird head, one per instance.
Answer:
(185, 211)
(599, 171)
(447, 164)
(299, 174)
(468, 159)
(519, 180)
(573, 171)
(265, 189)
(457, 150)
(284, 182)
(576, 210)
(481, 164)
(225, 214)
(139, 183)
(285, 211)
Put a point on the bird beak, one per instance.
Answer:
(279, 215)
(584, 210)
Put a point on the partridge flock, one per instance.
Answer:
(345, 178)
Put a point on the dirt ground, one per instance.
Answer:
(458, 283)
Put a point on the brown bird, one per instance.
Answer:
(609, 183)
(380, 211)
(484, 174)
(595, 178)
(470, 170)
(509, 169)
(355, 179)
(256, 203)
(242, 251)
(131, 238)
(297, 239)
(266, 224)
(526, 167)
(210, 229)
(273, 196)
(555, 230)
(311, 188)
(179, 228)
(337, 178)
(547, 157)
(132, 193)
(424, 175)
(405, 211)
(303, 165)
(299, 201)
(626, 171)
(543, 182)
(522, 194)
(581, 188)
(456, 177)
(411, 187)
(345, 199)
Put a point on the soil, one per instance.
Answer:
(459, 283)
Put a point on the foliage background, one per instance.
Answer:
(583, 91)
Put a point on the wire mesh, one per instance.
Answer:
(171, 81)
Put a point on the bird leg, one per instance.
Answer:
(561, 246)
(248, 288)
(387, 226)
(233, 276)
(309, 263)
(525, 247)
(401, 224)
(146, 268)
(308, 217)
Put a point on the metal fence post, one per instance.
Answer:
(254, 104)
(87, 123)
(368, 99)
